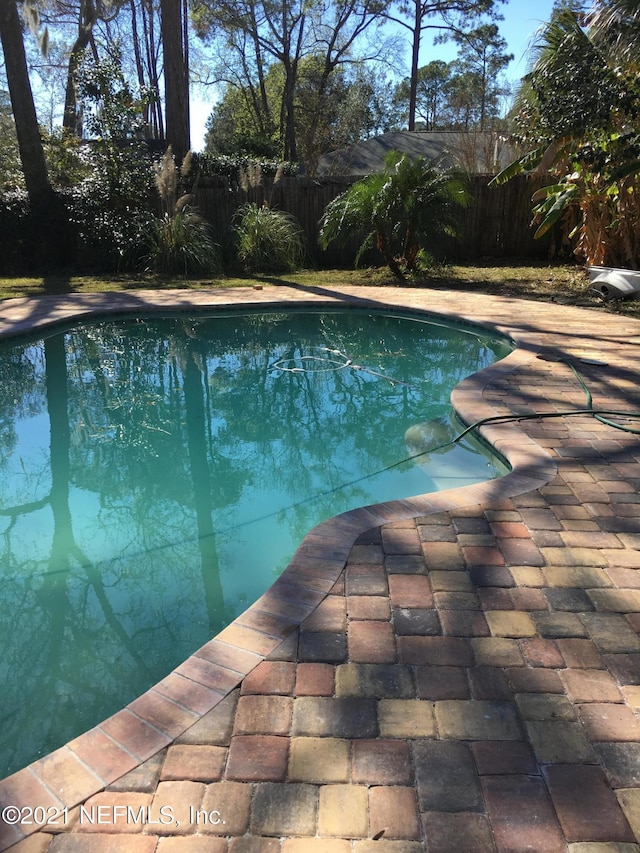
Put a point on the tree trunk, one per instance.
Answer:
(203, 488)
(383, 245)
(50, 239)
(139, 66)
(415, 57)
(151, 59)
(266, 120)
(86, 19)
(24, 113)
(176, 76)
(290, 150)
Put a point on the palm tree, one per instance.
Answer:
(409, 206)
(578, 107)
(617, 22)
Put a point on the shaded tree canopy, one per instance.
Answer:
(432, 93)
(350, 106)
(255, 36)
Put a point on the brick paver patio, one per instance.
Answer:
(451, 674)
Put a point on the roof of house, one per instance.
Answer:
(476, 151)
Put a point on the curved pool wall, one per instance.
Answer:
(93, 760)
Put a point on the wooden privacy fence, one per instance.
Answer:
(497, 223)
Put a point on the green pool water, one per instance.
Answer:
(157, 475)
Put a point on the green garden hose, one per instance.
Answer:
(598, 414)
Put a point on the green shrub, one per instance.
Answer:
(111, 207)
(22, 249)
(66, 164)
(268, 240)
(11, 176)
(231, 166)
(111, 235)
(14, 220)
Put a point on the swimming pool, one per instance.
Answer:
(158, 474)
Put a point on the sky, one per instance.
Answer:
(521, 20)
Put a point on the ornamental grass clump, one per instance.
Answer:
(180, 242)
(268, 240)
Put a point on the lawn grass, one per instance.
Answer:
(561, 283)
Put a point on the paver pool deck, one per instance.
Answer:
(452, 673)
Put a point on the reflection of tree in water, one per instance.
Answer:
(47, 602)
(82, 631)
(169, 437)
(203, 487)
